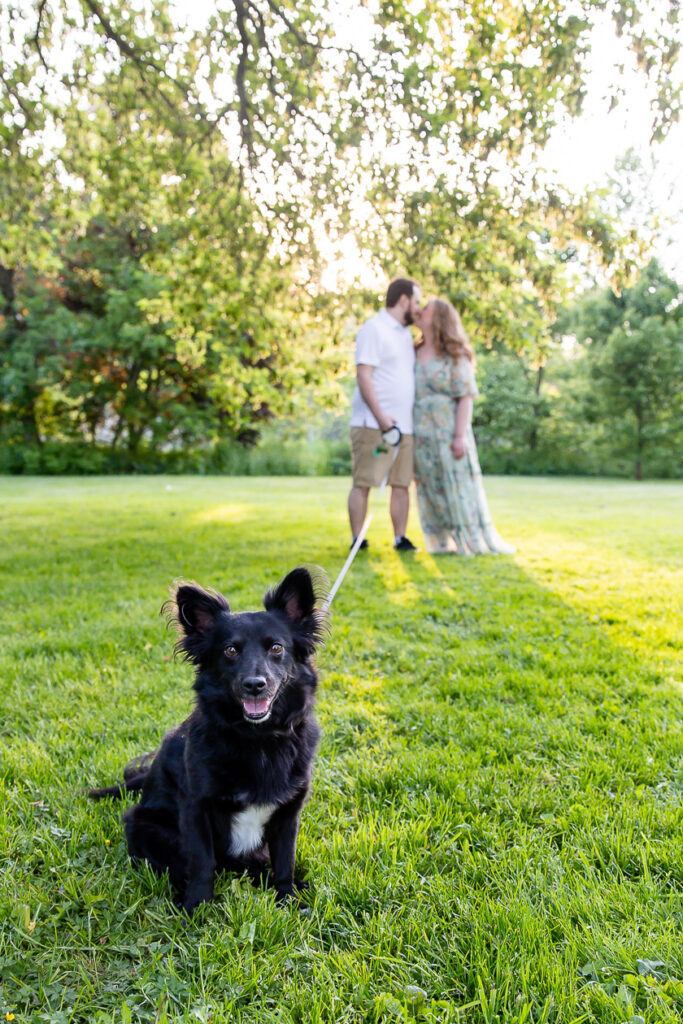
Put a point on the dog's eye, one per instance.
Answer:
(276, 648)
(231, 651)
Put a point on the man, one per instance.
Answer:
(385, 358)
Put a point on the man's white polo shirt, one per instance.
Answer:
(385, 344)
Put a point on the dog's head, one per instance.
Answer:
(253, 666)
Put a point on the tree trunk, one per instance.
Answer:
(7, 289)
(533, 434)
(25, 414)
(639, 449)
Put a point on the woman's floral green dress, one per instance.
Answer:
(453, 509)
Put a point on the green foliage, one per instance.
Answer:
(270, 456)
(166, 193)
(181, 324)
(634, 359)
(494, 831)
(459, 201)
(610, 403)
(148, 338)
(507, 413)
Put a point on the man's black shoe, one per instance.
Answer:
(403, 544)
(362, 546)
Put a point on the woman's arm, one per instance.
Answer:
(463, 418)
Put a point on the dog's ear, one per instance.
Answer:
(298, 597)
(294, 596)
(193, 611)
(197, 608)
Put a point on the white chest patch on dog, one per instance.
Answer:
(246, 832)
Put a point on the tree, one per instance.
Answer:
(507, 414)
(224, 151)
(459, 199)
(635, 361)
(166, 318)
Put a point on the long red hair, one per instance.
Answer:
(450, 337)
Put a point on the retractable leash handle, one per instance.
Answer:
(392, 437)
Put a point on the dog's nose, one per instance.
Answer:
(254, 685)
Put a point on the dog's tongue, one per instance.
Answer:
(257, 706)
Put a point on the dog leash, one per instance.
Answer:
(392, 437)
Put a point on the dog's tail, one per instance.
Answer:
(134, 775)
(119, 790)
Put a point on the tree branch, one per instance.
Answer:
(244, 116)
(36, 37)
(311, 44)
(143, 62)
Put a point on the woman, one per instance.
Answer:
(450, 494)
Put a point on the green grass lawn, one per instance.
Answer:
(495, 831)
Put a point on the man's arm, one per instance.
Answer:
(367, 390)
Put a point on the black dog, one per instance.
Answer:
(226, 787)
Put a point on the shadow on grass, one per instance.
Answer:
(474, 678)
(497, 805)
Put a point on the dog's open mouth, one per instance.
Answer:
(256, 709)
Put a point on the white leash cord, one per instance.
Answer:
(392, 436)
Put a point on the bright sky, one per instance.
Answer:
(582, 153)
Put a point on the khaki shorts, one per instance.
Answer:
(368, 469)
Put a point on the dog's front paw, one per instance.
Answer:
(189, 908)
(285, 896)
(292, 896)
(193, 898)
